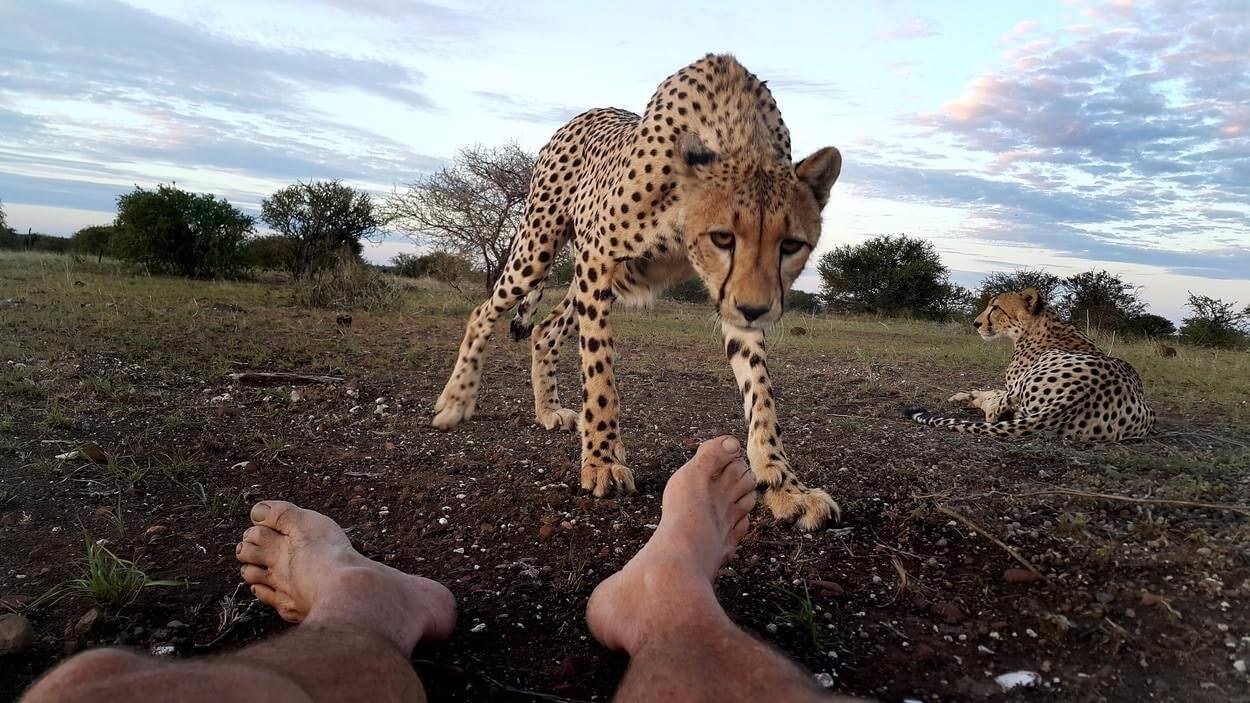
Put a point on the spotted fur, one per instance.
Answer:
(1058, 381)
(700, 185)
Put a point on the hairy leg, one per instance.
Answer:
(546, 341)
(661, 608)
(784, 494)
(359, 621)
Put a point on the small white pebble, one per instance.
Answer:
(480, 627)
(824, 679)
(442, 521)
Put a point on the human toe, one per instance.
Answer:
(714, 454)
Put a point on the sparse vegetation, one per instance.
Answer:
(1215, 323)
(140, 363)
(473, 207)
(349, 284)
(107, 578)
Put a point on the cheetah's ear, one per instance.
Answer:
(1033, 300)
(693, 151)
(819, 171)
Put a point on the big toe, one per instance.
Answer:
(715, 454)
(288, 518)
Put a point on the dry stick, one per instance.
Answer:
(258, 378)
(981, 530)
(1129, 499)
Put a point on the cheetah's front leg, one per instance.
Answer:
(603, 455)
(785, 496)
(994, 403)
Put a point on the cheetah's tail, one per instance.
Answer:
(1019, 426)
(523, 323)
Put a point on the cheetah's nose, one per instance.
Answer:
(751, 312)
(976, 324)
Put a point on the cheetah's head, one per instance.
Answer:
(750, 225)
(1009, 314)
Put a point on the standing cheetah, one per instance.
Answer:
(1058, 381)
(701, 184)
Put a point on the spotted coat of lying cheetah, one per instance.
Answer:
(1058, 381)
(701, 184)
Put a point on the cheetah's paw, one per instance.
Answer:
(451, 411)
(808, 508)
(602, 479)
(557, 419)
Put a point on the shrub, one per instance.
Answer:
(1214, 323)
(888, 275)
(1101, 300)
(321, 219)
(802, 301)
(439, 265)
(349, 284)
(172, 230)
(1149, 325)
(97, 240)
(689, 291)
(271, 252)
(1048, 284)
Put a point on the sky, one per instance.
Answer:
(1068, 135)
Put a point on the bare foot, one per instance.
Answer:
(302, 564)
(703, 516)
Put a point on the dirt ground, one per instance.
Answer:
(917, 594)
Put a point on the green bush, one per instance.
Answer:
(349, 284)
(96, 240)
(1101, 300)
(802, 301)
(689, 291)
(1149, 325)
(890, 275)
(1048, 284)
(272, 252)
(439, 265)
(1215, 323)
(169, 230)
(321, 219)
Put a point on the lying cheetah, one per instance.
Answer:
(701, 184)
(1058, 381)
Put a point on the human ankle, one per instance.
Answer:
(670, 610)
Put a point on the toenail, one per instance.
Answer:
(259, 512)
(730, 445)
(238, 547)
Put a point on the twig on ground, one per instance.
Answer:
(1130, 499)
(951, 512)
(263, 378)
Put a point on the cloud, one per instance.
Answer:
(1123, 142)
(518, 109)
(110, 51)
(109, 93)
(911, 28)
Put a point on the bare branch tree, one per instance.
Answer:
(474, 207)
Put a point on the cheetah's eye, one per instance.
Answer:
(722, 239)
(790, 247)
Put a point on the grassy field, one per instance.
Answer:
(1145, 591)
